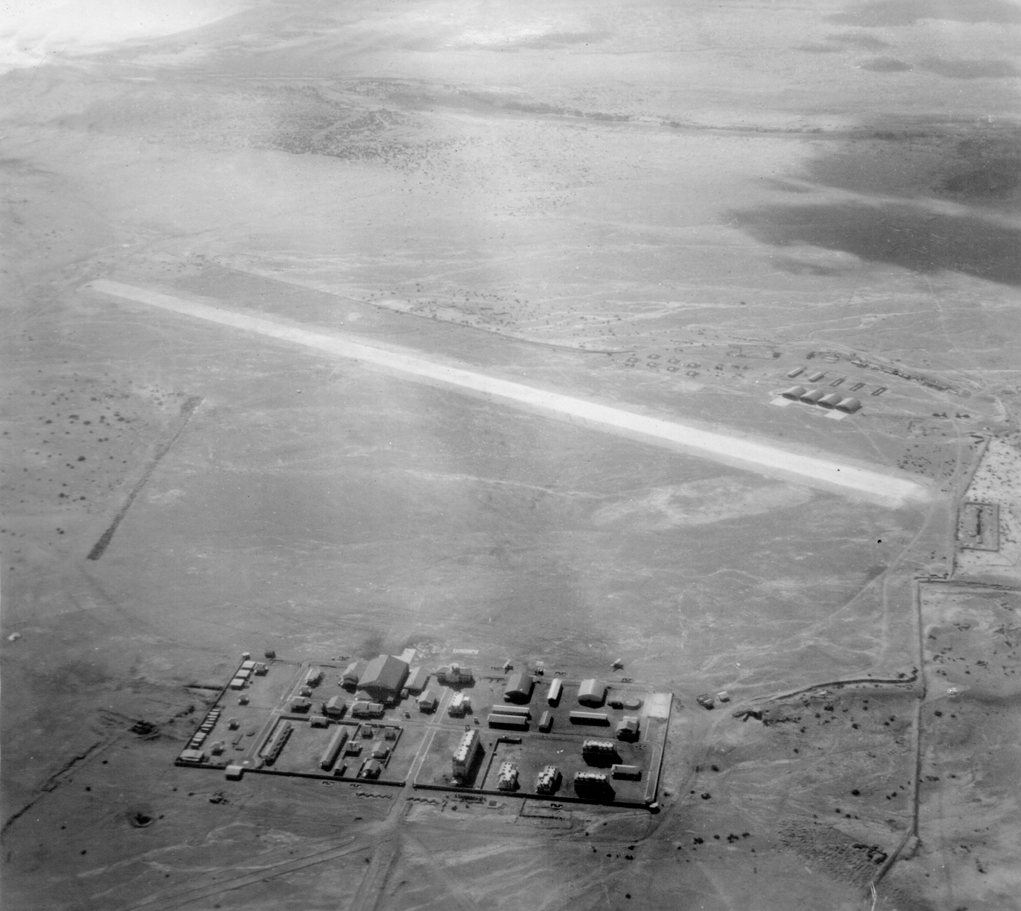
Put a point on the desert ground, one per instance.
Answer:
(339, 329)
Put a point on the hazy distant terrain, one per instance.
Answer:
(658, 210)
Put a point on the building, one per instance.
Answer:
(418, 679)
(370, 769)
(794, 393)
(812, 397)
(271, 751)
(589, 718)
(592, 692)
(332, 751)
(466, 753)
(546, 722)
(519, 687)
(548, 780)
(455, 675)
(314, 676)
(628, 728)
(628, 772)
(849, 405)
(380, 751)
(815, 377)
(459, 706)
(830, 400)
(797, 371)
(556, 688)
(353, 673)
(192, 756)
(335, 706)
(522, 710)
(598, 748)
(300, 704)
(318, 721)
(427, 702)
(507, 778)
(383, 678)
(363, 709)
(511, 722)
(591, 784)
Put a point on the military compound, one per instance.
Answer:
(396, 723)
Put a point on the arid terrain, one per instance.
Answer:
(340, 329)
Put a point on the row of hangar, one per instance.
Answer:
(847, 404)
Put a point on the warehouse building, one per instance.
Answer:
(332, 751)
(519, 687)
(589, 718)
(546, 722)
(383, 678)
(627, 772)
(466, 753)
(510, 722)
(592, 692)
(556, 689)
(275, 744)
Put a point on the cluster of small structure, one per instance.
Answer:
(831, 400)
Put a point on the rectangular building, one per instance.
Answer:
(466, 752)
(628, 772)
(511, 722)
(556, 688)
(592, 692)
(590, 718)
(332, 751)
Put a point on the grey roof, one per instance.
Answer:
(385, 673)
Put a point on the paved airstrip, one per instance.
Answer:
(886, 489)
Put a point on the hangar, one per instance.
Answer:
(519, 687)
(812, 398)
(831, 400)
(850, 405)
(383, 678)
(592, 692)
(794, 393)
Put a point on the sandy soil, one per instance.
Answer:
(650, 212)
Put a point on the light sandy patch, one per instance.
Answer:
(701, 503)
(828, 474)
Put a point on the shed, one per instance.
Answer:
(592, 692)
(519, 687)
(300, 704)
(383, 678)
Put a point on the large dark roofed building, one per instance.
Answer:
(519, 687)
(383, 678)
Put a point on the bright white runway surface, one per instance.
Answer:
(886, 489)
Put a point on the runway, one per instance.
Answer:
(886, 489)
